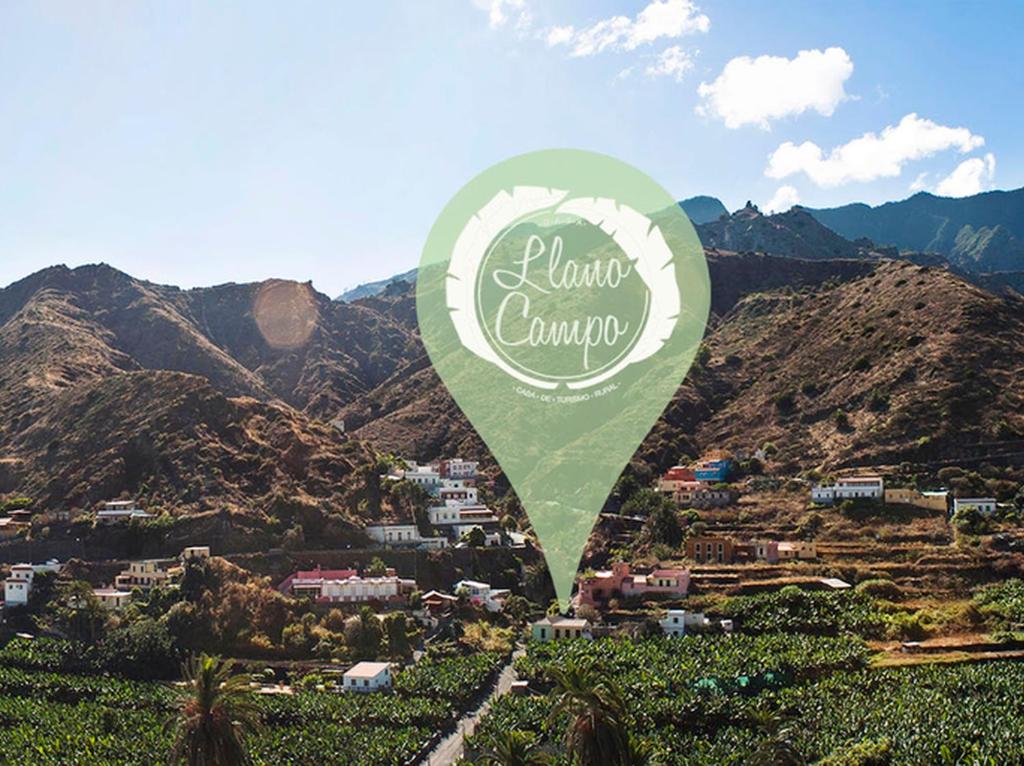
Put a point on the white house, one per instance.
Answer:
(114, 511)
(394, 534)
(849, 488)
(195, 552)
(493, 599)
(368, 677)
(559, 627)
(457, 468)
(985, 505)
(446, 515)
(457, 493)
(112, 598)
(425, 476)
(147, 574)
(18, 586)
(674, 622)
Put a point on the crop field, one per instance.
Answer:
(53, 717)
(703, 701)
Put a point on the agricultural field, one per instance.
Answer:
(714, 701)
(55, 717)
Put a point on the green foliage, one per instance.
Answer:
(817, 613)
(869, 752)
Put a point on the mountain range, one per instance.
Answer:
(836, 352)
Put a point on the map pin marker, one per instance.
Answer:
(562, 296)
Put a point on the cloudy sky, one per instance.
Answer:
(199, 143)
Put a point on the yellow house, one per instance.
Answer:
(935, 501)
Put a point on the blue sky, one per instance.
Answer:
(196, 143)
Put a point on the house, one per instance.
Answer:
(559, 627)
(457, 493)
(448, 515)
(673, 623)
(11, 528)
(675, 477)
(700, 495)
(346, 586)
(765, 550)
(424, 475)
(18, 586)
(710, 550)
(147, 574)
(935, 501)
(403, 535)
(677, 621)
(985, 505)
(114, 511)
(713, 469)
(436, 602)
(457, 468)
(195, 553)
(112, 598)
(482, 594)
(367, 677)
(620, 581)
(798, 550)
(849, 488)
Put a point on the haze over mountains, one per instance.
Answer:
(224, 397)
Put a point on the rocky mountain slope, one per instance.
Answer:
(983, 232)
(219, 395)
(918, 361)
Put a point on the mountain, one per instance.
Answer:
(921, 362)
(703, 209)
(196, 398)
(368, 289)
(794, 234)
(980, 233)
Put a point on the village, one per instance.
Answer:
(709, 550)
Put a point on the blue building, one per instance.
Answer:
(713, 471)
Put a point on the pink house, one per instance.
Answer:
(620, 582)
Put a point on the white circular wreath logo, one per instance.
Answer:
(638, 237)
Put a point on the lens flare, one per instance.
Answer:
(286, 313)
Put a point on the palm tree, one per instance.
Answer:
(597, 733)
(777, 747)
(214, 717)
(514, 748)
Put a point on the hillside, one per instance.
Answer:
(983, 232)
(203, 397)
(794, 234)
(921, 361)
(702, 209)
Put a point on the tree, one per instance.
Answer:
(214, 716)
(514, 748)
(662, 525)
(77, 613)
(377, 568)
(777, 747)
(475, 538)
(397, 629)
(594, 705)
(144, 650)
(363, 633)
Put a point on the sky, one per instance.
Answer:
(200, 143)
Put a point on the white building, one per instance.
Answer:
(457, 468)
(985, 505)
(18, 586)
(368, 677)
(481, 593)
(674, 622)
(346, 586)
(559, 627)
(425, 476)
(849, 488)
(401, 535)
(457, 493)
(114, 511)
(112, 598)
(146, 575)
(195, 552)
(447, 515)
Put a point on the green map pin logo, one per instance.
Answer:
(562, 297)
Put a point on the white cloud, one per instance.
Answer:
(970, 177)
(872, 155)
(920, 183)
(660, 19)
(671, 62)
(783, 199)
(754, 91)
(500, 12)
